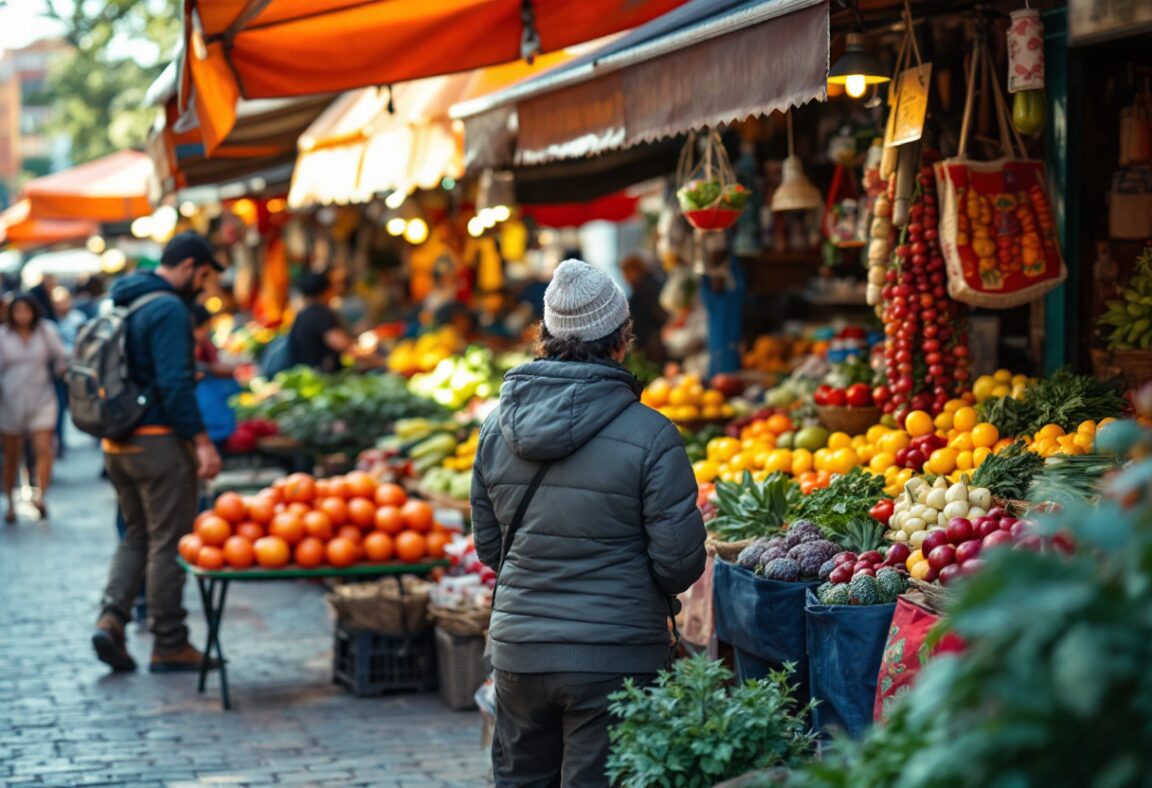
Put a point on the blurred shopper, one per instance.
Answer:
(215, 382)
(647, 314)
(318, 338)
(42, 292)
(69, 322)
(155, 470)
(584, 502)
(31, 357)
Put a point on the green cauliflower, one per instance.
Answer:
(863, 590)
(837, 595)
(891, 584)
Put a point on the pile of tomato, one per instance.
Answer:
(314, 522)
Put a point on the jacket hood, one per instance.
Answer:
(126, 290)
(549, 409)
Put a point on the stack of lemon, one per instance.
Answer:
(1001, 383)
(686, 400)
(1051, 439)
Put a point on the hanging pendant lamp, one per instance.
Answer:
(856, 70)
(795, 192)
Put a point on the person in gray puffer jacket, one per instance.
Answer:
(610, 536)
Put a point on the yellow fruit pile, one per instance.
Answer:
(686, 400)
(412, 356)
(465, 455)
(774, 354)
(1051, 439)
(1002, 383)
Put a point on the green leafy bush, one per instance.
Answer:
(1054, 687)
(691, 729)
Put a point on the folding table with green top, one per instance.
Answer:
(213, 585)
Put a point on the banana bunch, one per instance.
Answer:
(1130, 316)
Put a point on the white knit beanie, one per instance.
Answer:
(582, 302)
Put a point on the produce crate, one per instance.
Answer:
(460, 663)
(371, 663)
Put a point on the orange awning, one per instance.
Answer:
(111, 189)
(18, 228)
(275, 48)
(361, 146)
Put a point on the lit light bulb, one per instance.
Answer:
(855, 85)
(214, 304)
(96, 244)
(396, 199)
(142, 227)
(396, 226)
(416, 232)
(475, 227)
(502, 213)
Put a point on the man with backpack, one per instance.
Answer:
(154, 442)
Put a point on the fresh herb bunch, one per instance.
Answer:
(1063, 398)
(1065, 479)
(1009, 472)
(1053, 687)
(847, 497)
(751, 509)
(692, 728)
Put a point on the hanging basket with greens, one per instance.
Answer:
(709, 194)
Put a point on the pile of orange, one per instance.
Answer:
(312, 522)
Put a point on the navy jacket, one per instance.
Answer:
(161, 354)
(611, 535)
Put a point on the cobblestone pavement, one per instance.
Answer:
(65, 720)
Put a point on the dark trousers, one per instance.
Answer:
(552, 728)
(156, 485)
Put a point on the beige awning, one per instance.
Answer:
(727, 62)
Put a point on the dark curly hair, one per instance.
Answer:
(570, 349)
(33, 304)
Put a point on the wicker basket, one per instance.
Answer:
(461, 621)
(728, 551)
(936, 596)
(1015, 507)
(853, 421)
(1135, 366)
(379, 606)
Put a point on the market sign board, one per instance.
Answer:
(1093, 21)
(911, 105)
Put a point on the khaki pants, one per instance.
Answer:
(156, 484)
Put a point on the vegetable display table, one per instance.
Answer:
(213, 585)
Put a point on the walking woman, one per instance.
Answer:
(31, 355)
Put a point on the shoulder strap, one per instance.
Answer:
(521, 510)
(146, 299)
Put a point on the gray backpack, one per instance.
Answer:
(102, 396)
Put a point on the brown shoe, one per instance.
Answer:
(186, 659)
(108, 640)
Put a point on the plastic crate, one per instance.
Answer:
(460, 662)
(372, 663)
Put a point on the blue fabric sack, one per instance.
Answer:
(763, 621)
(845, 646)
(212, 395)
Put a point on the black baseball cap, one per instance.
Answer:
(190, 244)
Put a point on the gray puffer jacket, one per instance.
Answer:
(611, 535)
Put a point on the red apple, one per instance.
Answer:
(1031, 542)
(1020, 529)
(985, 526)
(960, 530)
(997, 512)
(841, 574)
(898, 553)
(872, 557)
(867, 571)
(942, 556)
(934, 539)
(997, 539)
(968, 551)
(844, 558)
(950, 574)
(969, 568)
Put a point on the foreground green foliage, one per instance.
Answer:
(690, 729)
(1054, 688)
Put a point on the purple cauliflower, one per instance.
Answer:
(783, 569)
(812, 555)
(750, 556)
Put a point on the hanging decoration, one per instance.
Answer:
(1026, 71)
(710, 196)
(997, 227)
